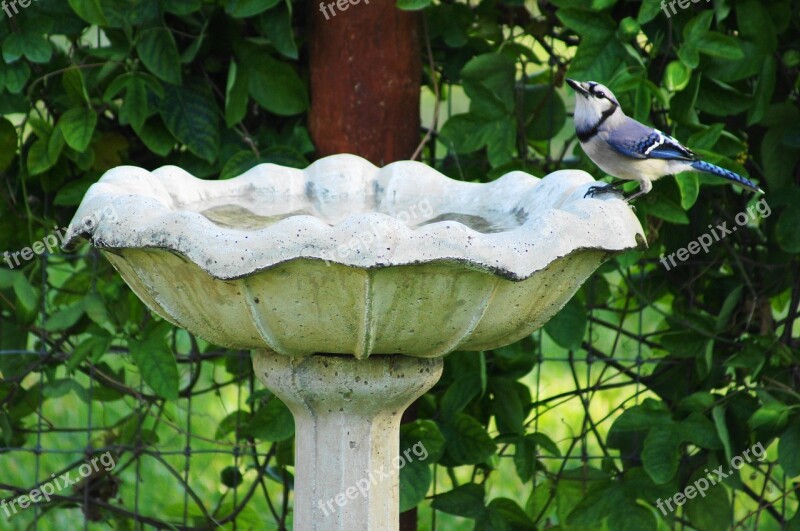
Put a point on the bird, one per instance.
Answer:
(630, 150)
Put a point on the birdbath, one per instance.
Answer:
(350, 283)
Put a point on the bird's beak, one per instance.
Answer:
(578, 87)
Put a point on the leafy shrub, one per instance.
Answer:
(217, 86)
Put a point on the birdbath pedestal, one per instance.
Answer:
(347, 420)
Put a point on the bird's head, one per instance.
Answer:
(592, 102)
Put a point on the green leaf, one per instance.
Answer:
(503, 514)
(135, 105)
(707, 138)
(285, 156)
(712, 512)
(693, 31)
(588, 25)
(17, 76)
(236, 95)
(96, 346)
(719, 45)
(159, 53)
(791, 138)
(765, 87)
(27, 295)
(513, 361)
(786, 231)
(89, 10)
(728, 307)
(157, 137)
(773, 416)
(546, 111)
(756, 25)
(465, 133)
(689, 186)
(600, 52)
(540, 500)
(525, 453)
(778, 161)
(415, 480)
(237, 419)
(628, 28)
(466, 501)
(183, 7)
(273, 422)
(507, 405)
(467, 440)
(238, 164)
(75, 86)
(77, 125)
(156, 363)
(189, 53)
(248, 8)
(8, 143)
(95, 309)
(413, 5)
(661, 454)
(488, 80)
(648, 11)
(459, 394)
(422, 436)
(665, 208)
(277, 26)
(125, 14)
(277, 87)
(602, 499)
(699, 431)
(677, 76)
(572, 487)
(648, 414)
(720, 99)
(39, 160)
(524, 458)
(31, 45)
(794, 523)
(64, 318)
(568, 326)
(191, 115)
(751, 358)
(722, 430)
(545, 442)
(633, 518)
(789, 450)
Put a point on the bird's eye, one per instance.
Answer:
(600, 94)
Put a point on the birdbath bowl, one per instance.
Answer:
(349, 283)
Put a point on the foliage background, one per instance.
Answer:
(645, 379)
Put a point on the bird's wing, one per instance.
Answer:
(638, 141)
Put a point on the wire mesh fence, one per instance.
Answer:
(86, 444)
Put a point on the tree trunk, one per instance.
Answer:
(366, 70)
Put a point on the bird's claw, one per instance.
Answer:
(599, 190)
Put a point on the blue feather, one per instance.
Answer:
(707, 167)
(639, 142)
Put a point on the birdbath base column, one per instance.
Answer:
(347, 428)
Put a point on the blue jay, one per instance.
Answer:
(627, 149)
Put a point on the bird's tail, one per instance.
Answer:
(706, 167)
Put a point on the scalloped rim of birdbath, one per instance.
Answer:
(408, 212)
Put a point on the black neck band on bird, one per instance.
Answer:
(585, 136)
